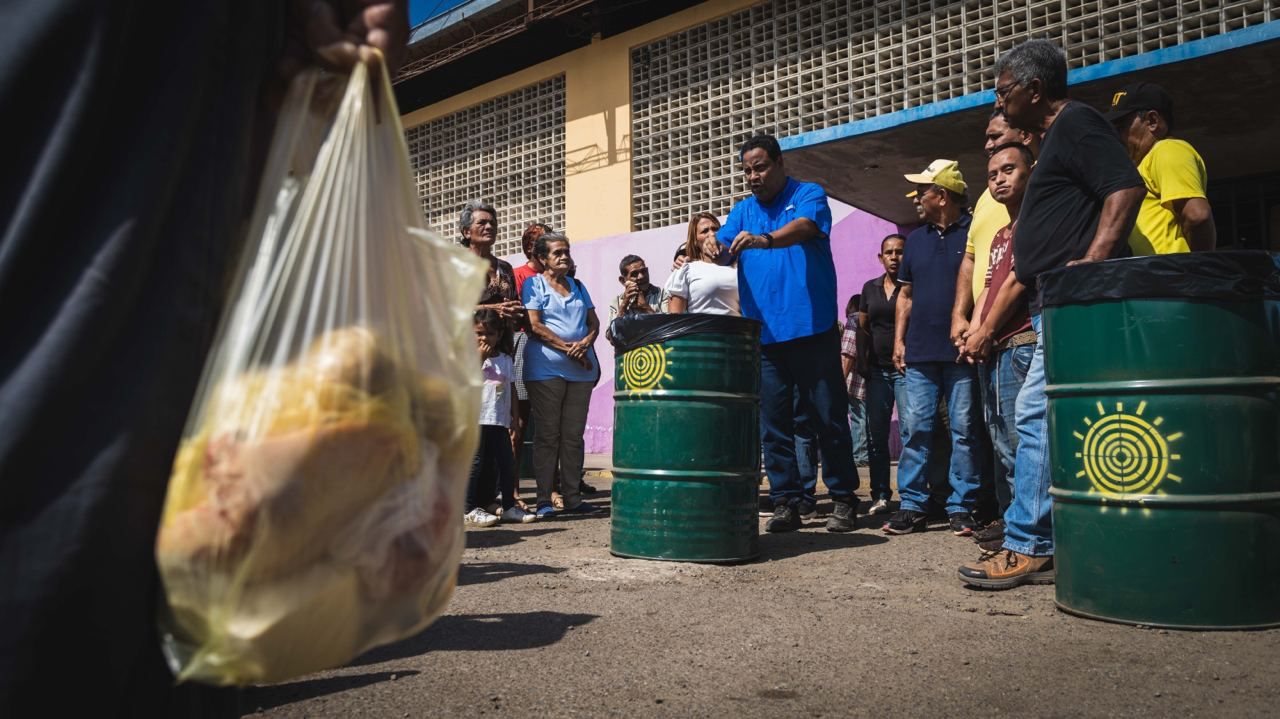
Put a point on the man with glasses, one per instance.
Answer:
(1175, 214)
(925, 354)
(1079, 206)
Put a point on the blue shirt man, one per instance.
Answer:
(787, 281)
(925, 353)
(791, 290)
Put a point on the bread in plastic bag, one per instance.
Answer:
(315, 505)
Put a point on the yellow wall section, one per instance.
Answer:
(597, 130)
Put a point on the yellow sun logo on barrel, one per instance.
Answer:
(1124, 453)
(644, 368)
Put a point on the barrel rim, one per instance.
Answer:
(640, 394)
(1251, 500)
(1192, 385)
(752, 475)
(1163, 625)
(727, 561)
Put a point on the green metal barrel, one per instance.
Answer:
(686, 439)
(1163, 381)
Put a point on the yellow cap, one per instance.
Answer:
(943, 173)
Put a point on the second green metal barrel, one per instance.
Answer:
(1164, 420)
(686, 441)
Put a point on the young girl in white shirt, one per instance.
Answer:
(494, 465)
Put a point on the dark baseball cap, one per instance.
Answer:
(1140, 97)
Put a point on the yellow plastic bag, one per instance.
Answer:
(315, 505)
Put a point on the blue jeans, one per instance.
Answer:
(885, 387)
(1029, 519)
(926, 383)
(809, 366)
(1000, 381)
(858, 429)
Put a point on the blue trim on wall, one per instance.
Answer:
(1233, 40)
(445, 14)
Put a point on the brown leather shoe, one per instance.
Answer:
(1006, 569)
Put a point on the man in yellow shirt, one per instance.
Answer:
(1175, 214)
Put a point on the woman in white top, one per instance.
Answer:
(701, 285)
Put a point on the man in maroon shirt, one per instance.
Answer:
(1000, 337)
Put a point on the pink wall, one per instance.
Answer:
(855, 240)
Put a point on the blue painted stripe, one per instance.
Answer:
(1233, 40)
(447, 13)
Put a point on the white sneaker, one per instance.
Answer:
(479, 518)
(880, 506)
(515, 515)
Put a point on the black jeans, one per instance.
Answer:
(492, 467)
(802, 377)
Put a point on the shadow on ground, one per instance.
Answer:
(481, 632)
(602, 512)
(813, 538)
(485, 572)
(500, 536)
(254, 699)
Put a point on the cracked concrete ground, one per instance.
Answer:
(545, 622)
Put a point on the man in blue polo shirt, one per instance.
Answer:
(924, 353)
(787, 280)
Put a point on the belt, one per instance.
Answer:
(1022, 338)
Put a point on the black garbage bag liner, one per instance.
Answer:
(1226, 275)
(632, 331)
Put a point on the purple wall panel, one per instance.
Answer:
(855, 238)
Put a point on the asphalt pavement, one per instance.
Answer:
(546, 622)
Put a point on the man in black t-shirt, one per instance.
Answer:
(1079, 206)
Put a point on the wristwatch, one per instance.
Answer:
(767, 238)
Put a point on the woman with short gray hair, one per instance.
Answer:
(479, 227)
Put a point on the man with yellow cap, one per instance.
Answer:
(924, 353)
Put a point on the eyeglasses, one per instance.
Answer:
(1003, 92)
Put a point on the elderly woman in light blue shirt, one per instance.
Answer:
(560, 370)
